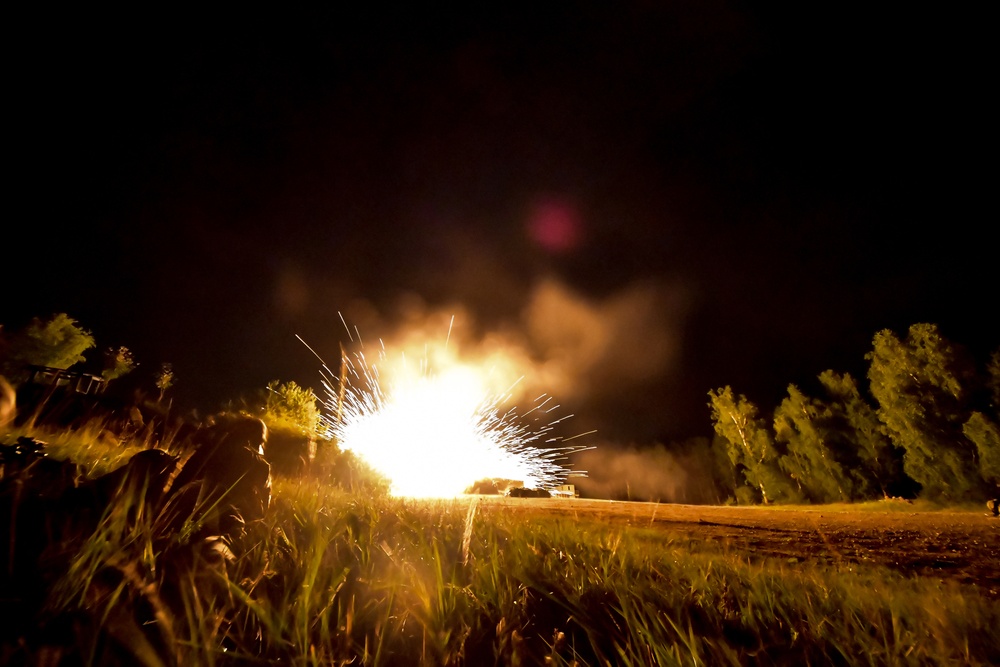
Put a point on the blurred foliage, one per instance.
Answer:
(876, 464)
(993, 381)
(165, 378)
(921, 385)
(118, 361)
(750, 447)
(57, 342)
(286, 405)
(985, 434)
(804, 426)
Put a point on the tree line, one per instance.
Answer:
(929, 426)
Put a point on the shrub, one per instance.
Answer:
(289, 406)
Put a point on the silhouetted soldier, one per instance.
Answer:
(226, 482)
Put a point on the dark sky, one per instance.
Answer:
(658, 198)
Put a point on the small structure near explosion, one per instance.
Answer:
(565, 491)
(76, 381)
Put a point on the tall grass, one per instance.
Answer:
(335, 578)
(91, 445)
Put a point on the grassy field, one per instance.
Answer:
(331, 577)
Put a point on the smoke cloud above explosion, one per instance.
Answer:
(592, 354)
(595, 348)
(493, 403)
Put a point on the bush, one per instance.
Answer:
(58, 342)
(287, 406)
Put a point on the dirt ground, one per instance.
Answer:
(961, 546)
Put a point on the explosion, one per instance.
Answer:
(436, 427)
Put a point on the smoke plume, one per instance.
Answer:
(649, 474)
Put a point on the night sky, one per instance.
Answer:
(657, 199)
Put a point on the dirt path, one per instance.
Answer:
(956, 546)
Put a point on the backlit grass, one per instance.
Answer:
(331, 577)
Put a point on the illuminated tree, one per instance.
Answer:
(993, 381)
(286, 404)
(165, 379)
(878, 470)
(985, 435)
(58, 342)
(749, 445)
(722, 469)
(919, 384)
(803, 425)
(118, 361)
